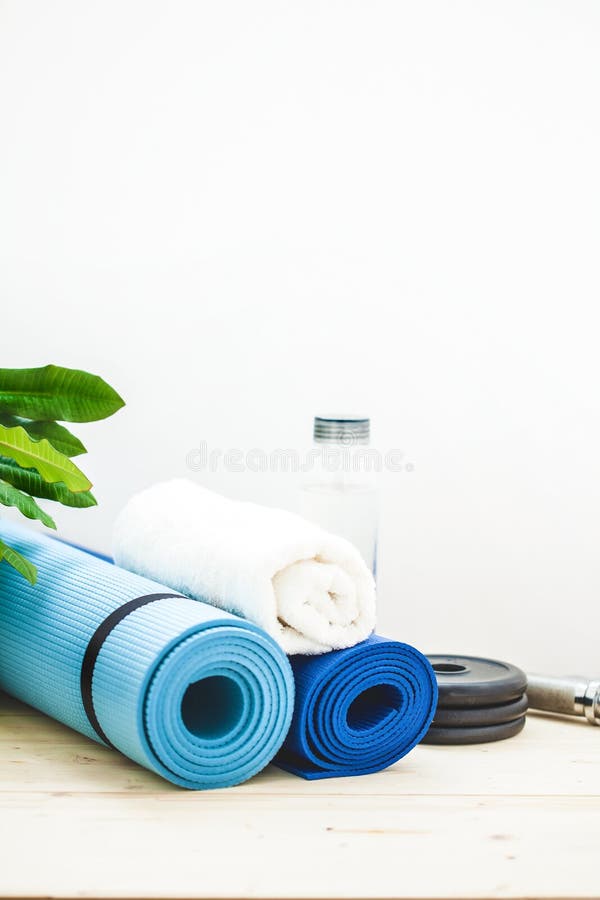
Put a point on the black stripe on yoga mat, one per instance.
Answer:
(93, 649)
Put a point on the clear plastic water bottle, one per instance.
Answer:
(339, 490)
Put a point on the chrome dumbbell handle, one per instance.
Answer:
(570, 695)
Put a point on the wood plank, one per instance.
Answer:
(515, 819)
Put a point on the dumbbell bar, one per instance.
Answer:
(570, 695)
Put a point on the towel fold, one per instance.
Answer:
(307, 588)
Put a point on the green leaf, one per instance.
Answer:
(41, 455)
(31, 482)
(18, 562)
(59, 436)
(10, 496)
(52, 392)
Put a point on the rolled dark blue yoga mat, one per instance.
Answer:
(358, 710)
(199, 696)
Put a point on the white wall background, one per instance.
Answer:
(244, 213)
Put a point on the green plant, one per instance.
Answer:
(36, 452)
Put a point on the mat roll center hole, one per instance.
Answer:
(373, 706)
(211, 707)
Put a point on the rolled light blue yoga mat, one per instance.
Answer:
(358, 710)
(200, 696)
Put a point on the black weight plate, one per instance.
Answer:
(470, 681)
(482, 735)
(474, 716)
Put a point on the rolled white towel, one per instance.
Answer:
(309, 589)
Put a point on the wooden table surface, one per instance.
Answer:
(520, 818)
